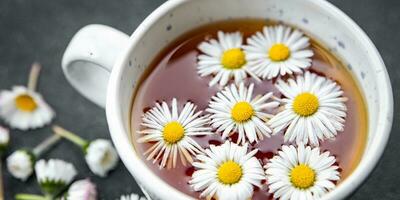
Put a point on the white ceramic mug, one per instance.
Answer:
(99, 57)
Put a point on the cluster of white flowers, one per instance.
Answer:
(23, 108)
(311, 110)
(277, 50)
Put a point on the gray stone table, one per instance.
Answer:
(39, 30)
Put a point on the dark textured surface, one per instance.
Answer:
(40, 30)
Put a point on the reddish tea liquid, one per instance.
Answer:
(173, 75)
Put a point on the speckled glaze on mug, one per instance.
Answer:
(129, 58)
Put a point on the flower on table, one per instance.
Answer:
(4, 139)
(100, 155)
(227, 172)
(21, 162)
(132, 196)
(54, 175)
(236, 110)
(278, 50)
(23, 108)
(172, 132)
(81, 190)
(4, 142)
(301, 173)
(224, 59)
(314, 109)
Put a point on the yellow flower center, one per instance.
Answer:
(279, 52)
(302, 176)
(242, 111)
(229, 173)
(25, 103)
(305, 104)
(233, 59)
(173, 132)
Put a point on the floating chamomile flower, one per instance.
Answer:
(301, 173)
(224, 59)
(171, 132)
(23, 108)
(54, 175)
(227, 172)
(20, 163)
(315, 109)
(81, 190)
(132, 196)
(278, 50)
(234, 110)
(100, 155)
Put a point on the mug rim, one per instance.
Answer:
(141, 172)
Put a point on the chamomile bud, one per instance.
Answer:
(4, 139)
(54, 175)
(20, 164)
(132, 196)
(81, 190)
(100, 155)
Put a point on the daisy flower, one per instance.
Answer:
(4, 139)
(314, 109)
(224, 59)
(235, 110)
(227, 172)
(20, 163)
(278, 50)
(23, 108)
(54, 175)
(81, 190)
(301, 173)
(100, 155)
(132, 196)
(172, 131)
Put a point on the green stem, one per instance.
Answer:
(1, 182)
(31, 197)
(34, 76)
(45, 145)
(70, 136)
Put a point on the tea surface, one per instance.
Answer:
(173, 74)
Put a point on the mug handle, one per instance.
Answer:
(89, 59)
